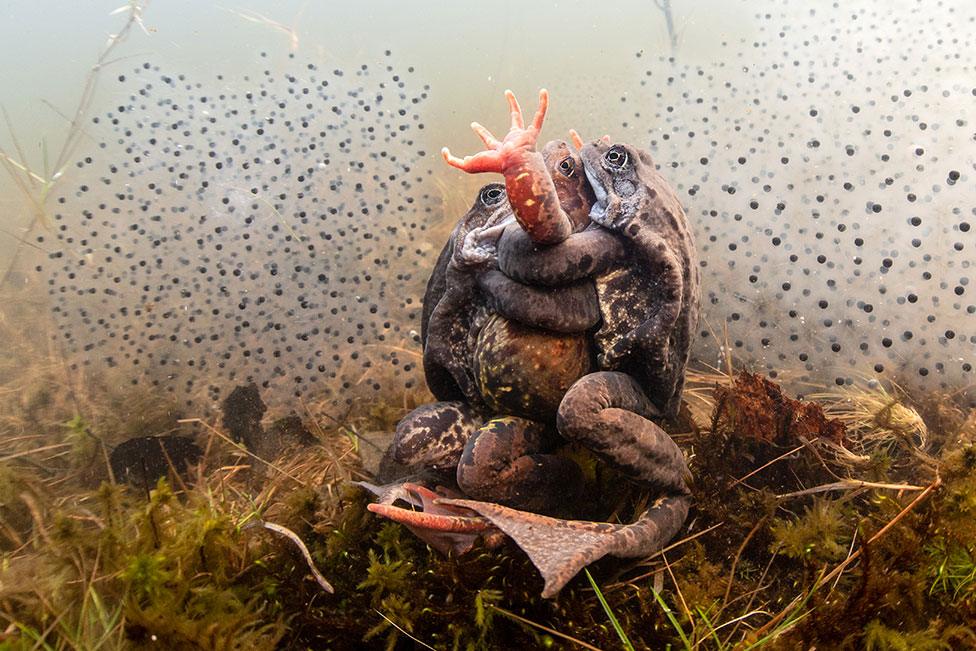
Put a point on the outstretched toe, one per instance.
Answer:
(502, 154)
(576, 139)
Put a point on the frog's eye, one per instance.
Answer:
(492, 194)
(617, 157)
(567, 167)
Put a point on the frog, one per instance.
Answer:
(586, 217)
(470, 309)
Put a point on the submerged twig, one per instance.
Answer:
(850, 484)
(292, 536)
(891, 523)
(851, 558)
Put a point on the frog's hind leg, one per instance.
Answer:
(608, 413)
(506, 462)
(434, 435)
(561, 548)
(432, 438)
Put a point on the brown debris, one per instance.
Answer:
(756, 408)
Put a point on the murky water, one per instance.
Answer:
(256, 194)
(217, 222)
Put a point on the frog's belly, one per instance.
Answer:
(523, 371)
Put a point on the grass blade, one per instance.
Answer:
(671, 618)
(609, 611)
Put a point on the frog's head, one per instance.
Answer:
(616, 173)
(477, 236)
(566, 169)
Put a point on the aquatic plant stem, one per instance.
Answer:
(752, 597)
(767, 464)
(628, 645)
(135, 9)
(735, 561)
(292, 536)
(404, 631)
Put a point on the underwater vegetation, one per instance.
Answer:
(841, 523)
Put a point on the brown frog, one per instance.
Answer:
(513, 336)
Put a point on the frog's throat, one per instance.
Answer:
(481, 244)
(598, 211)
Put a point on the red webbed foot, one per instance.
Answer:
(446, 528)
(509, 152)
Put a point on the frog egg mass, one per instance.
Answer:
(831, 182)
(278, 227)
(264, 233)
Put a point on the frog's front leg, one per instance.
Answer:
(569, 309)
(433, 436)
(529, 186)
(506, 462)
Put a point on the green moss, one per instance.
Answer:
(385, 576)
(817, 536)
(953, 569)
(180, 569)
(878, 637)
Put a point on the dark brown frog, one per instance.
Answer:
(561, 314)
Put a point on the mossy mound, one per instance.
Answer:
(846, 521)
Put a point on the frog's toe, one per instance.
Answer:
(561, 548)
(575, 138)
(444, 522)
(390, 493)
(445, 527)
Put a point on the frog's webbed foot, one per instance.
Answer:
(561, 548)
(443, 526)
(479, 248)
(558, 548)
(500, 155)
